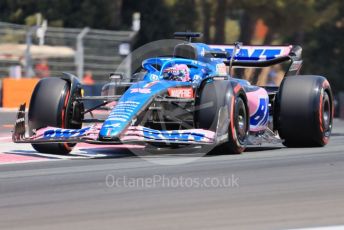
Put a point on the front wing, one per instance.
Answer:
(89, 134)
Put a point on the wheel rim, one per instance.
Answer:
(241, 122)
(326, 114)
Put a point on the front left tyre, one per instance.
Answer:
(50, 105)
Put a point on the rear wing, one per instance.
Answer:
(262, 56)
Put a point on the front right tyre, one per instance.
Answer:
(218, 94)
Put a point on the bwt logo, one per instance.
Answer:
(175, 135)
(65, 133)
(253, 54)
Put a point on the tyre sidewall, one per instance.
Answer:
(299, 112)
(48, 108)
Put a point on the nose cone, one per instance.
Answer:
(135, 100)
(110, 131)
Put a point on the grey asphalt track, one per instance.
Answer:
(271, 187)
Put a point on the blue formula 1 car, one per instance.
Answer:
(189, 98)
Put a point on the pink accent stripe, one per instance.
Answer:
(101, 112)
(120, 146)
(5, 139)
(254, 99)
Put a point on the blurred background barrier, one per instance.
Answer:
(0, 93)
(14, 92)
(45, 38)
(17, 91)
(42, 51)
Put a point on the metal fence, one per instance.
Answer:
(66, 50)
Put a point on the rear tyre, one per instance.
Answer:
(49, 106)
(238, 128)
(218, 94)
(305, 111)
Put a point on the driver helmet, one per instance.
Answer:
(177, 72)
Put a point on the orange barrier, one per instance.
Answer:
(17, 91)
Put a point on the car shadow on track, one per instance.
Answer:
(219, 152)
(107, 153)
(265, 148)
(31, 153)
(122, 152)
(94, 153)
(133, 153)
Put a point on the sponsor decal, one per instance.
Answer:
(255, 53)
(116, 125)
(108, 133)
(149, 84)
(203, 52)
(183, 92)
(20, 120)
(221, 69)
(295, 66)
(175, 135)
(65, 133)
(145, 89)
(260, 117)
(154, 77)
(140, 90)
(196, 78)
